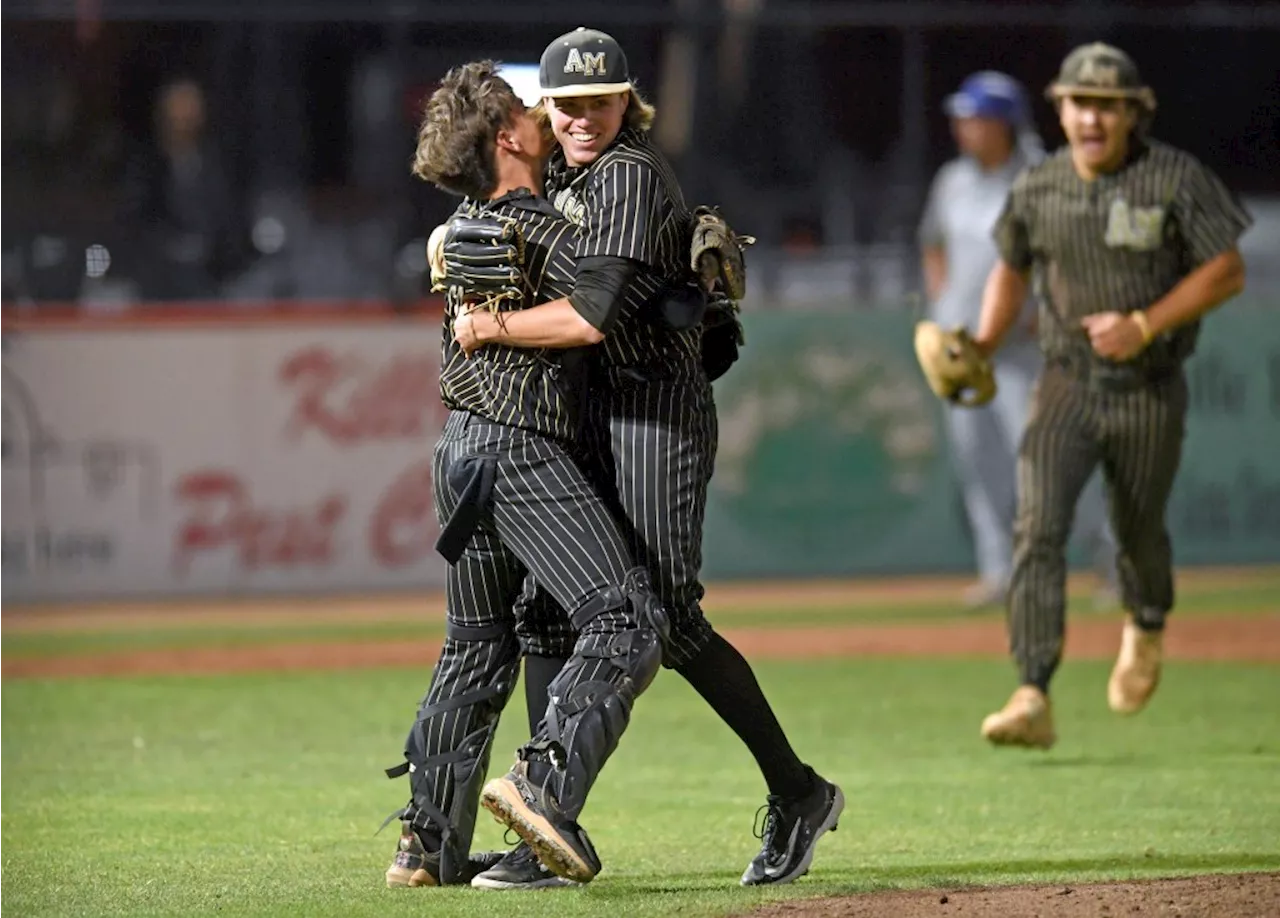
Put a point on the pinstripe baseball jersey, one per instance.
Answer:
(1118, 243)
(536, 390)
(628, 204)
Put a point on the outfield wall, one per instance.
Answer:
(227, 455)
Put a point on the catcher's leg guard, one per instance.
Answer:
(445, 776)
(591, 700)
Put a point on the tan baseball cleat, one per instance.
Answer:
(415, 866)
(410, 866)
(1137, 670)
(1025, 720)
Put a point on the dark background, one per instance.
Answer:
(811, 122)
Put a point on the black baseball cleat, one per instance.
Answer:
(791, 831)
(531, 812)
(520, 869)
(414, 865)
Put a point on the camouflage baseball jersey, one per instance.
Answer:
(1118, 243)
(536, 390)
(628, 204)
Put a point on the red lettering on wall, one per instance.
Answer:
(222, 515)
(403, 526)
(349, 401)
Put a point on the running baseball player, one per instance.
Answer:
(1127, 243)
(512, 502)
(991, 121)
(650, 432)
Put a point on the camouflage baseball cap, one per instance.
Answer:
(1099, 69)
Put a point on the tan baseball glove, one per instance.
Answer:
(716, 254)
(953, 366)
(435, 255)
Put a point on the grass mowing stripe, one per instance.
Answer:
(258, 795)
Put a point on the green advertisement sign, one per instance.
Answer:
(833, 460)
(1226, 503)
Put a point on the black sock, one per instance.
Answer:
(723, 677)
(1038, 673)
(538, 673)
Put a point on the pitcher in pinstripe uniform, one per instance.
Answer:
(1127, 243)
(992, 124)
(650, 436)
(512, 501)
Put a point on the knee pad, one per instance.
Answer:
(635, 597)
(649, 612)
(590, 708)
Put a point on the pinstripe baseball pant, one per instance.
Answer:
(547, 520)
(1135, 429)
(649, 447)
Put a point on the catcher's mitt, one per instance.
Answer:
(953, 366)
(716, 254)
(482, 259)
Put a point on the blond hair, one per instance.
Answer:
(640, 114)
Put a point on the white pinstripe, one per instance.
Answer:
(1130, 416)
(662, 440)
(546, 520)
(1137, 436)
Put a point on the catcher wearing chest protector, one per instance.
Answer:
(479, 258)
(648, 432)
(483, 257)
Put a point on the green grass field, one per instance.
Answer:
(259, 795)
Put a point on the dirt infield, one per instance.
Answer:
(1249, 895)
(1253, 638)
(721, 598)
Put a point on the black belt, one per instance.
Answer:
(1114, 377)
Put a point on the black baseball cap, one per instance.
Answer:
(584, 62)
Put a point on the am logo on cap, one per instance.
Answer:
(584, 62)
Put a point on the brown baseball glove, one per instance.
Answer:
(716, 255)
(953, 366)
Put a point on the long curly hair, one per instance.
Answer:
(459, 127)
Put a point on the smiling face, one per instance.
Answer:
(585, 125)
(1098, 130)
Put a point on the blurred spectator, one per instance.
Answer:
(991, 123)
(178, 204)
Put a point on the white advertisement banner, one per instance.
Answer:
(158, 461)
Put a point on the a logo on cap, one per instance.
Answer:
(1095, 73)
(587, 63)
